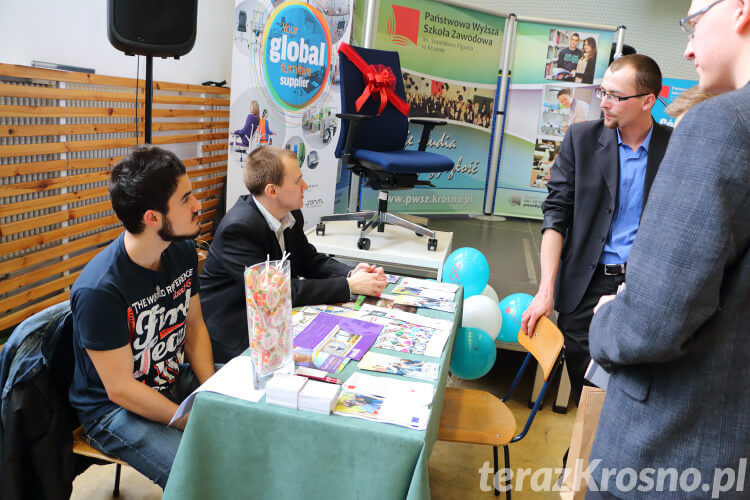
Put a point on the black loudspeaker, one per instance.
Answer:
(158, 28)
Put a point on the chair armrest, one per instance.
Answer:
(427, 125)
(353, 117)
(354, 120)
(433, 123)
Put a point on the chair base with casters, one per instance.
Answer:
(377, 219)
(478, 417)
(82, 447)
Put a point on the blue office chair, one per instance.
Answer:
(373, 138)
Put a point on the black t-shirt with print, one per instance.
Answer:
(115, 303)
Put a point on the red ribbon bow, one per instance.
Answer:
(379, 79)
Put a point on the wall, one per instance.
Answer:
(652, 26)
(75, 33)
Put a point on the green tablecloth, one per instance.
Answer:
(237, 449)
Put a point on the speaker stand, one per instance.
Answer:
(149, 97)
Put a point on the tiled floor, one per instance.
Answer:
(512, 250)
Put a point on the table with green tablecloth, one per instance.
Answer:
(233, 448)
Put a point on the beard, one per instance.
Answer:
(611, 122)
(167, 234)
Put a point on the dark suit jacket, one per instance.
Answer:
(677, 338)
(582, 198)
(242, 239)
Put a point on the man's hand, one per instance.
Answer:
(181, 423)
(368, 268)
(540, 306)
(367, 280)
(603, 300)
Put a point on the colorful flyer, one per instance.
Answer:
(328, 341)
(384, 363)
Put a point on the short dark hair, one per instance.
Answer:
(647, 72)
(575, 35)
(143, 180)
(264, 167)
(564, 92)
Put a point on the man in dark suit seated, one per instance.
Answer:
(598, 186)
(265, 224)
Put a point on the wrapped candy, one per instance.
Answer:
(268, 295)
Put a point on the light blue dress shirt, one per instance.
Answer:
(629, 201)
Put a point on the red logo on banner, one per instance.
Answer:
(403, 25)
(664, 92)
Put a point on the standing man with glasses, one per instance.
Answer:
(598, 186)
(677, 340)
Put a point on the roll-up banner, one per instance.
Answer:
(285, 90)
(449, 60)
(671, 88)
(555, 71)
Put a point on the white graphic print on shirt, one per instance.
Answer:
(157, 332)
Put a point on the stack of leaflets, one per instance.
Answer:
(425, 293)
(384, 363)
(302, 316)
(328, 342)
(384, 300)
(283, 390)
(386, 400)
(318, 397)
(410, 333)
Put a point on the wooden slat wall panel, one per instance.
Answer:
(60, 134)
(103, 128)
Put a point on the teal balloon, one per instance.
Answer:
(469, 268)
(474, 353)
(512, 307)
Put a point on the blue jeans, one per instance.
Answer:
(149, 447)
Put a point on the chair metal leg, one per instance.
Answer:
(363, 216)
(507, 466)
(495, 478)
(116, 490)
(398, 221)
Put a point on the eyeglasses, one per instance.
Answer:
(688, 23)
(601, 94)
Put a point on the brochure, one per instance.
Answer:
(448, 306)
(302, 316)
(426, 289)
(329, 341)
(386, 400)
(384, 363)
(409, 333)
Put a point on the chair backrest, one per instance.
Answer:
(386, 132)
(545, 345)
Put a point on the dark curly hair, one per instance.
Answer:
(143, 180)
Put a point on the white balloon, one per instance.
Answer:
(491, 293)
(482, 312)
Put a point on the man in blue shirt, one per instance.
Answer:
(597, 189)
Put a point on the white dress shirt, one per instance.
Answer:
(277, 226)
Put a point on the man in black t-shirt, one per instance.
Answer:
(567, 59)
(137, 316)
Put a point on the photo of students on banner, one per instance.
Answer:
(571, 56)
(452, 101)
(563, 106)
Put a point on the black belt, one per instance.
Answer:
(611, 269)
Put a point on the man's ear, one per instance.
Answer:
(742, 16)
(152, 218)
(650, 101)
(270, 190)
